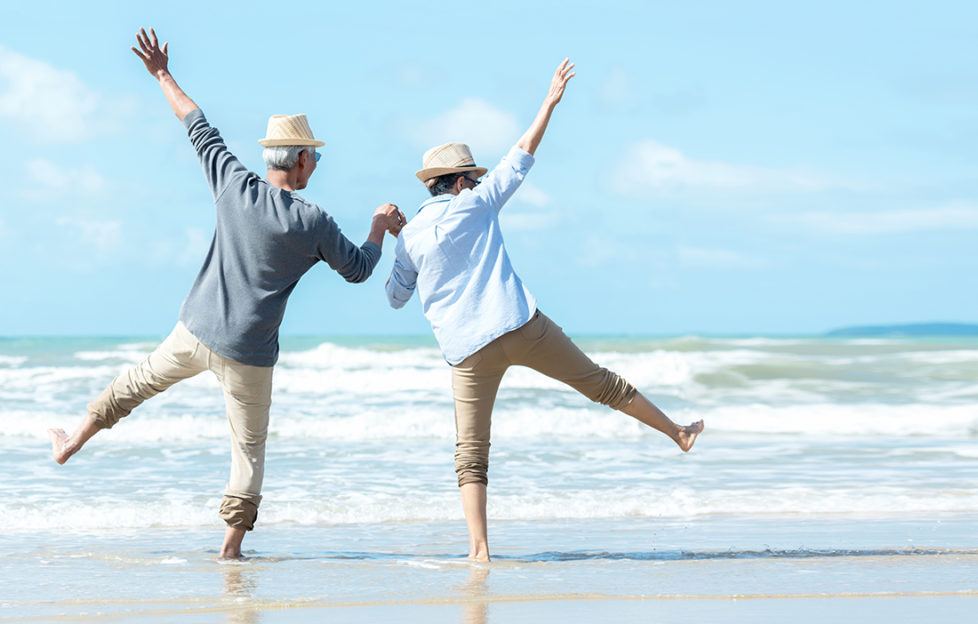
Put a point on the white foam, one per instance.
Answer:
(826, 419)
(375, 507)
(76, 515)
(942, 357)
(132, 355)
(12, 361)
(520, 421)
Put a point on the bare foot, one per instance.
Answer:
(64, 446)
(231, 548)
(687, 435)
(59, 445)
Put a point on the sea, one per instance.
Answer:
(835, 476)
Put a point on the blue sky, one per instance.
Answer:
(723, 168)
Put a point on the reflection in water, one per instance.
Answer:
(239, 592)
(477, 607)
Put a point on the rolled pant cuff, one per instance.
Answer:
(472, 477)
(239, 513)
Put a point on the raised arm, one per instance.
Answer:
(156, 61)
(531, 138)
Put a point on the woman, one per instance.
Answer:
(483, 317)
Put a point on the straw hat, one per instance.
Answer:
(448, 158)
(288, 130)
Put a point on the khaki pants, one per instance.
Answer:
(247, 396)
(541, 345)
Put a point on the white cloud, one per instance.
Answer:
(50, 180)
(101, 236)
(479, 124)
(651, 167)
(45, 103)
(528, 210)
(532, 194)
(697, 257)
(958, 215)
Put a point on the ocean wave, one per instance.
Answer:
(12, 361)
(813, 371)
(132, 354)
(423, 420)
(406, 506)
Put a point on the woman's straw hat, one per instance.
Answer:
(448, 158)
(288, 130)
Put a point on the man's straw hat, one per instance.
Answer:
(288, 130)
(448, 158)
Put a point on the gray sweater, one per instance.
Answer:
(265, 239)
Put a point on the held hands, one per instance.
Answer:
(153, 56)
(391, 218)
(560, 80)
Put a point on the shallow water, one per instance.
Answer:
(633, 567)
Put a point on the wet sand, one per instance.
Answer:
(805, 570)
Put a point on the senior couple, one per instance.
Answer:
(452, 253)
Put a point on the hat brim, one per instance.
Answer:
(433, 172)
(290, 142)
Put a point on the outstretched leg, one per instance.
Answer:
(544, 347)
(174, 360)
(642, 410)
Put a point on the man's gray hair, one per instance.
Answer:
(285, 157)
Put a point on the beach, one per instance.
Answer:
(835, 479)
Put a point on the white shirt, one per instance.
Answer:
(453, 253)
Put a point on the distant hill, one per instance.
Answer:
(912, 329)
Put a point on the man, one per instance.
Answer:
(483, 317)
(266, 238)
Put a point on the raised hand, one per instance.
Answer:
(157, 62)
(153, 56)
(531, 138)
(559, 82)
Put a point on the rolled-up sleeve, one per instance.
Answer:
(497, 187)
(403, 279)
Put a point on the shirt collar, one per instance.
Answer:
(444, 197)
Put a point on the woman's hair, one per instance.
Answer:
(285, 157)
(442, 184)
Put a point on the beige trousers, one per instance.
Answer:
(247, 397)
(541, 345)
